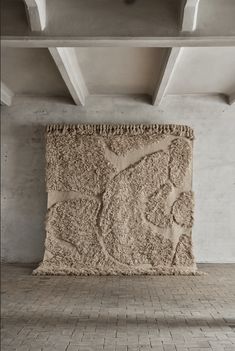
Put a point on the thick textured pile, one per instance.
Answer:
(119, 200)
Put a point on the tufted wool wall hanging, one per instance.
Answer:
(119, 200)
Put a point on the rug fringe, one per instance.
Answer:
(119, 129)
(117, 271)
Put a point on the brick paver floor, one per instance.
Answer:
(118, 313)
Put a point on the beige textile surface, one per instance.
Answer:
(120, 200)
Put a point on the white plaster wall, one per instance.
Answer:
(23, 191)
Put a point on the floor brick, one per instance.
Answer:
(139, 313)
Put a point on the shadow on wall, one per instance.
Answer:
(23, 192)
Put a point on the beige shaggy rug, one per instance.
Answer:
(119, 200)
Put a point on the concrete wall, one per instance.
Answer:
(23, 191)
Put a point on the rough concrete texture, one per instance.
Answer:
(23, 191)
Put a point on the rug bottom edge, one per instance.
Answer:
(117, 272)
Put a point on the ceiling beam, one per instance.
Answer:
(33, 41)
(167, 70)
(36, 12)
(6, 95)
(231, 99)
(189, 18)
(67, 63)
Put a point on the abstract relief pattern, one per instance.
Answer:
(77, 163)
(125, 204)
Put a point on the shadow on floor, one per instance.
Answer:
(83, 320)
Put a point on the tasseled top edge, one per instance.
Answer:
(122, 129)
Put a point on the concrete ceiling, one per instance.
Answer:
(34, 64)
(204, 70)
(32, 72)
(216, 17)
(120, 17)
(120, 70)
(97, 17)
